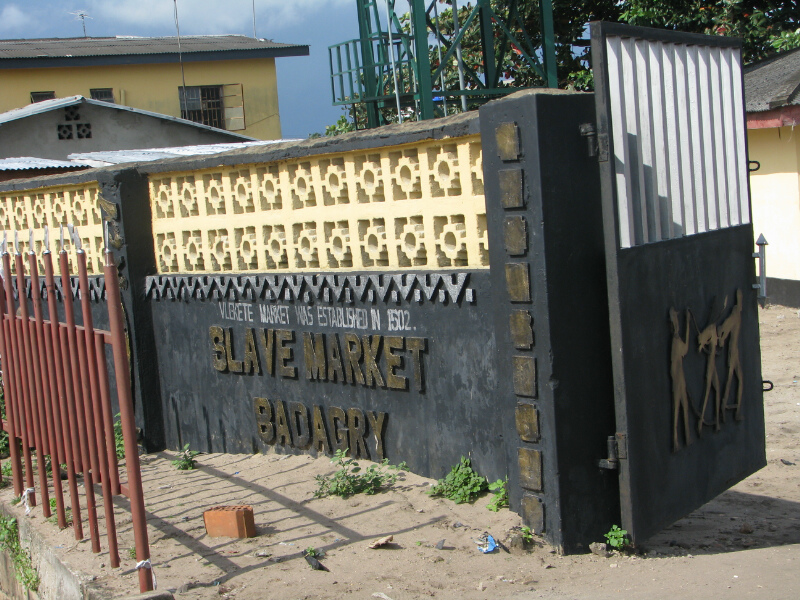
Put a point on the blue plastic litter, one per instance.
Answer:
(486, 543)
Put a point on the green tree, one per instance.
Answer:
(765, 26)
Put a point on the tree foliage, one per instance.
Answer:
(765, 26)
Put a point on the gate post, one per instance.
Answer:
(125, 202)
(551, 318)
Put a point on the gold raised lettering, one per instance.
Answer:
(357, 427)
(314, 355)
(284, 353)
(301, 430)
(250, 362)
(217, 343)
(319, 436)
(371, 350)
(352, 352)
(266, 337)
(282, 435)
(337, 422)
(417, 346)
(376, 423)
(235, 366)
(266, 430)
(394, 361)
(335, 369)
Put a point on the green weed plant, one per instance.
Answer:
(119, 442)
(350, 480)
(500, 499)
(54, 518)
(186, 459)
(617, 538)
(461, 484)
(24, 570)
(527, 534)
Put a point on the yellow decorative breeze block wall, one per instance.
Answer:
(417, 206)
(54, 206)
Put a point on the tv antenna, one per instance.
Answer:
(82, 15)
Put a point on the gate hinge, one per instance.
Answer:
(617, 450)
(597, 142)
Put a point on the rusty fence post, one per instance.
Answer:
(57, 394)
(31, 348)
(136, 495)
(62, 408)
(80, 389)
(9, 383)
(95, 407)
(43, 351)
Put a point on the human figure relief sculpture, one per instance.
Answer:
(710, 340)
(680, 398)
(729, 332)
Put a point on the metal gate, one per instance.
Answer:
(57, 394)
(683, 306)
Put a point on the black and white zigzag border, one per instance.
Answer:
(97, 288)
(396, 288)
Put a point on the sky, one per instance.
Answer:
(303, 82)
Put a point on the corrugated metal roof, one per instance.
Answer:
(24, 163)
(773, 82)
(38, 108)
(47, 105)
(116, 157)
(129, 45)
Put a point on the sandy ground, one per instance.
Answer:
(744, 544)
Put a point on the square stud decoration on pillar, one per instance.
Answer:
(518, 282)
(527, 420)
(530, 469)
(520, 323)
(230, 521)
(515, 235)
(511, 188)
(507, 136)
(533, 513)
(525, 376)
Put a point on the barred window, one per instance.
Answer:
(103, 94)
(202, 104)
(40, 96)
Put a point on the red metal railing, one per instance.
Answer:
(58, 401)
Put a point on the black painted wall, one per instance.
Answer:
(126, 208)
(539, 176)
(443, 407)
(537, 412)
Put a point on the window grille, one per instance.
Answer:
(103, 94)
(40, 96)
(202, 104)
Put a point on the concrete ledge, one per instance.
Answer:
(57, 581)
(150, 596)
(785, 292)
